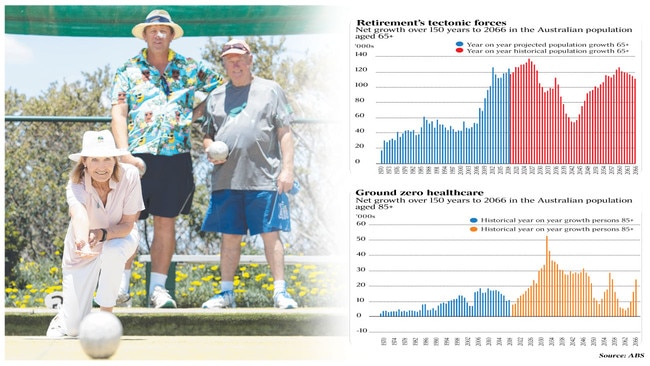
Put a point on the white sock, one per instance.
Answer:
(157, 279)
(126, 281)
(279, 286)
(227, 286)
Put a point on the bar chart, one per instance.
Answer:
(429, 263)
(494, 100)
(522, 122)
(553, 293)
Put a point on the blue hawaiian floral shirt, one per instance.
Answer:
(160, 106)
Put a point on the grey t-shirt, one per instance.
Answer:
(247, 120)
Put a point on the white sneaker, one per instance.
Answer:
(224, 299)
(283, 300)
(123, 300)
(161, 299)
(55, 330)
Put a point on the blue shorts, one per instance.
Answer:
(167, 185)
(236, 212)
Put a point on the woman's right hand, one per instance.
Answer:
(84, 249)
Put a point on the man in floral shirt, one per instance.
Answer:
(152, 100)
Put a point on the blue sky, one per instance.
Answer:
(33, 62)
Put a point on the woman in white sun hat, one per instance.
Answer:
(104, 199)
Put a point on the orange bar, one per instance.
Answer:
(572, 295)
(579, 296)
(635, 297)
(592, 300)
(610, 299)
(554, 290)
(581, 299)
(563, 295)
(545, 290)
(558, 288)
(560, 293)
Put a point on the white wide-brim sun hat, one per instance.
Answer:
(157, 17)
(98, 144)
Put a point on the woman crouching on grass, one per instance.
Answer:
(104, 198)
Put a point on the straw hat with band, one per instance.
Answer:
(157, 17)
(98, 144)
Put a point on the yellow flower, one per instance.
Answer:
(201, 266)
(242, 268)
(246, 275)
(296, 270)
(54, 270)
(214, 268)
(136, 276)
(302, 293)
(207, 278)
(254, 265)
(315, 274)
(28, 286)
(195, 283)
(57, 252)
(242, 244)
(314, 291)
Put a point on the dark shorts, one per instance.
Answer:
(236, 212)
(167, 185)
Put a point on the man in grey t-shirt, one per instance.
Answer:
(252, 116)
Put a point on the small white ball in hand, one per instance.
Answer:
(86, 251)
(218, 150)
(144, 167)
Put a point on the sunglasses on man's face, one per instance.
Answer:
(237, 46)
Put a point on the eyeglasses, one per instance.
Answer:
(165, 86)
(237, 46)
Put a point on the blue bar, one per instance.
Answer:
(485, 141)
